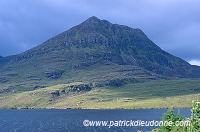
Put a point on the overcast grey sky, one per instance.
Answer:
(174, 25)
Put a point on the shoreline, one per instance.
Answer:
(92, 109)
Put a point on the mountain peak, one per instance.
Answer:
(94, 21)
(92, 44)
(93, 18)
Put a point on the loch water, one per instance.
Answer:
(73, 120)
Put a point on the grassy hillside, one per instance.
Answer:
(98, 74)
(152, 94)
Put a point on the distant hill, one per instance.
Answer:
(96, 51)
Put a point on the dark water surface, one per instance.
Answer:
(72, 120)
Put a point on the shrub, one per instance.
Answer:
(194, 120)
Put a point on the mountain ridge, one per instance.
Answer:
(94, 51)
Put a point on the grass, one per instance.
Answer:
(152, 94)
(99, 74)
(40, 98)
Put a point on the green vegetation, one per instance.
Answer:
(152, 94)
(44, 97)
(191, 124)
(171, 117)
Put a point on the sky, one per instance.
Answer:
(174, 25)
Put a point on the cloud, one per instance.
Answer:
(195, 62)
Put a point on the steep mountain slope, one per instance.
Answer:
(95, 51)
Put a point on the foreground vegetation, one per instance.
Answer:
(152, 94)
(192, 126)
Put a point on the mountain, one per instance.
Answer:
(96, 51)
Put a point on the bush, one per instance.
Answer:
(194, 120)
(171, 117)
